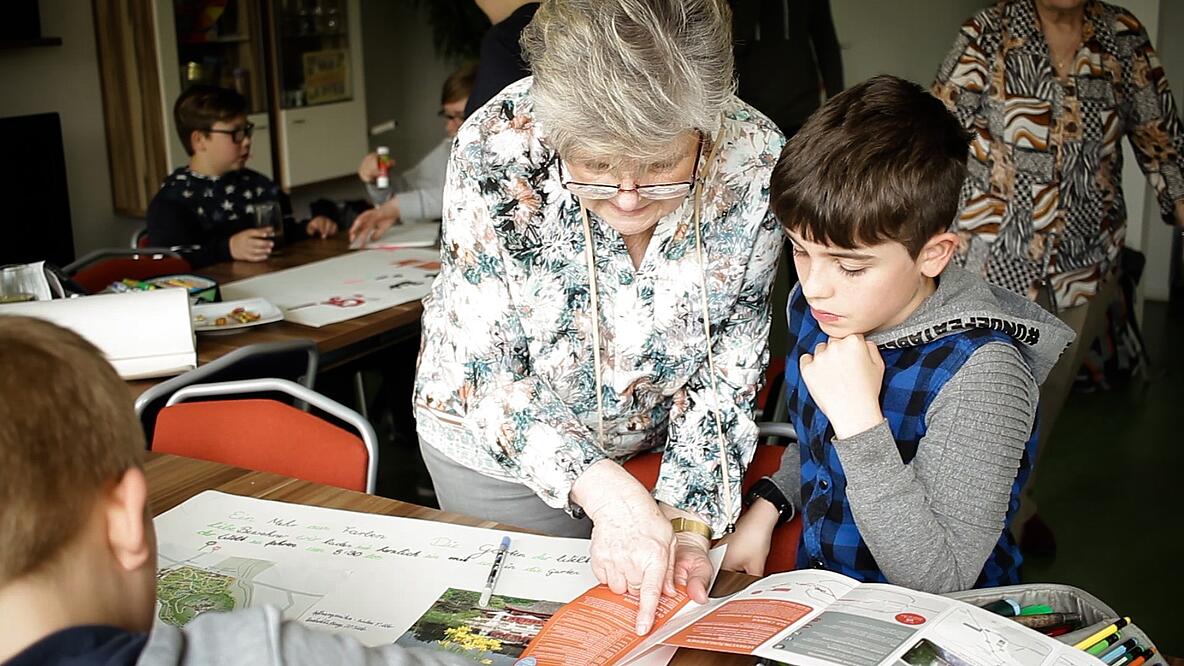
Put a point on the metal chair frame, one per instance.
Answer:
(327, 405)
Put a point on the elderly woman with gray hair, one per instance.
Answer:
(607, 256)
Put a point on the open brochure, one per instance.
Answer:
(808, 618)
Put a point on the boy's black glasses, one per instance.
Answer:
(237, 134)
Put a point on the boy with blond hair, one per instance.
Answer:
(911, 383)
(78, 550)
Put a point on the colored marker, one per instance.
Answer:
(1104, 644)
(1005, 607)
(1046, 620)
(1058, 629)
(495, 570)
(1147, 654)
(1037, 609)
(1119, 650)
(1127, 658)
(1102, 633)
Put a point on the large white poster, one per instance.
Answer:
(344, 287)
(379, 578)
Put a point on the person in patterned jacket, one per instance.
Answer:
(607, 255)
(1048, 89)
(912, 383)
(207, 206)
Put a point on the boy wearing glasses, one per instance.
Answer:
(208, 205)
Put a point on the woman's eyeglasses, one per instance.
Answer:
(655, 192)
(237, 134)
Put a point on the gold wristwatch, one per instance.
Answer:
(692, 526)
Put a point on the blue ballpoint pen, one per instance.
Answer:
(495, 570)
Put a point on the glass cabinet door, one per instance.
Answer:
(313, 52)
(220, 42)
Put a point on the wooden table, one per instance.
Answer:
(337, 343)
(173, 479)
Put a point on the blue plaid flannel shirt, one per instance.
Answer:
(912, 378)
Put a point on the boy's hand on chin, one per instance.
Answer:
(844, 376)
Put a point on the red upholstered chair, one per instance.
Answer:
(102, 267)
(270, 436)
(765, 462)
(295, 360)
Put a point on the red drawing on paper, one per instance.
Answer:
(346, 301)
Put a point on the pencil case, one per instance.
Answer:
(1095, 614)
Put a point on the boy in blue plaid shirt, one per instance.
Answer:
(911, 383)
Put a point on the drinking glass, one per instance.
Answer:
(19, 283)
(268, 215)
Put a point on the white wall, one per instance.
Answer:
(905, 38)
(65, 79)
(403, 77)
(1157, 235)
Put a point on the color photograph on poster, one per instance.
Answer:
(496, 634)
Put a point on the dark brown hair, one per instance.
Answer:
(200, 106)
(881, 161)
(67, 429)
(459, 84)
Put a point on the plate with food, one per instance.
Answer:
(232, 315)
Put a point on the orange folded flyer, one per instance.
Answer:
(809, 617)
(597, 628)
(741, 626)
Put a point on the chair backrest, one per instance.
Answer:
(294, 360)
(100, 268)
(139, 237)
(270, 436)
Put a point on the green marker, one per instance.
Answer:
(1104, 644)
(1038, 609)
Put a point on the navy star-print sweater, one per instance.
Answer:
(192, 209)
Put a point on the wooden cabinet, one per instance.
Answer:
(298, 62)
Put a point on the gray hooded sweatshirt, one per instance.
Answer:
(932, 523)
(261, 637)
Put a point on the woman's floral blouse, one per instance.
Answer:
(505, 382)
(1044, 190)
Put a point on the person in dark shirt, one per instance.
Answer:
(786, 54)
(207, 206)
(501, 60)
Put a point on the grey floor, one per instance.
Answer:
(1108, 488)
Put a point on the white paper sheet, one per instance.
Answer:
(423, 234)
(344, 287)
